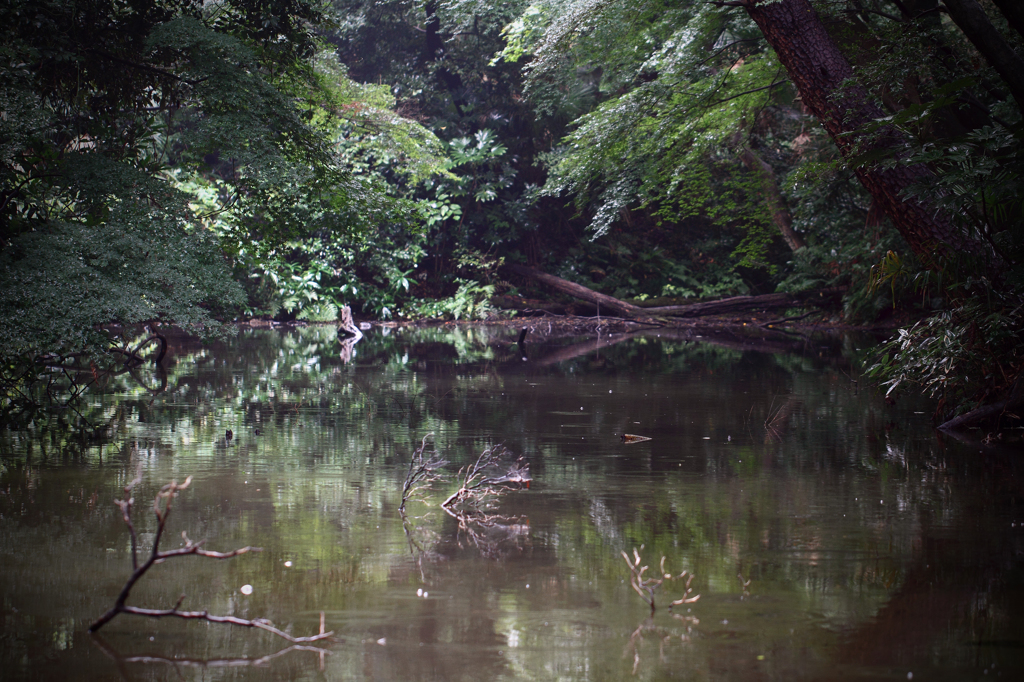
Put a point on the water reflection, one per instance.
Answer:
(831, 536)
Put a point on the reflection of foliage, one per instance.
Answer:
(57, 382)
(334, 450)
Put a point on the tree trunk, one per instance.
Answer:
(818, 69)
(609, 303)
(737, 304)
(434, 51)
(773, 197)
(1013, 10)
(972, 20)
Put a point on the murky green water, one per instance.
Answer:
(831, 536)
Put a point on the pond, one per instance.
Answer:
(828, 535)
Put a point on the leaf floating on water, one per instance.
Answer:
(630, 438)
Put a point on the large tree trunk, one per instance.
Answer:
(773, 198)
(818, 69)
(972, 20)
(1013, 10)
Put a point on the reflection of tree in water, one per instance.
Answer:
(934, 566)
(178, 662)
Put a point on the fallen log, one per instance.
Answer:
(723, 306)
(602, 301)
(1015, 398)
(735, 304)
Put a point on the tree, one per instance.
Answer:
(687, 125)
(975, 24)
(148, 146)
(896, 98)
(827, 86)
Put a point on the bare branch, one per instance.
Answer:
(492, 475)
(422, 472)
(126, 513)
(107, 649)
(748, 92)
(260, 623)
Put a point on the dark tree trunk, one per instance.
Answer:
(1013, 10)
(818, 69)
(972, 20)
(435, 50)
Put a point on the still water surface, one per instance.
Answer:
(830, 536)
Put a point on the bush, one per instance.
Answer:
(964, 356)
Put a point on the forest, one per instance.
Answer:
(199, 163)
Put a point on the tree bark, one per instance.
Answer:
(972, 20)
(819, 70)
(1015, 398)
(1013, 10)
(773, 197)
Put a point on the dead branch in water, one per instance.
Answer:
(162, 510)
(422, 472)
(646, 587)
(489, 477)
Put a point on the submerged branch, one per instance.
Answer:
(492, 474)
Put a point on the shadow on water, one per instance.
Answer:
(831, 536)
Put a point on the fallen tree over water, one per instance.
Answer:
(733, 304)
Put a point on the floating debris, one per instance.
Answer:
(630, 438)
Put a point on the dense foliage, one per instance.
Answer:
(150, 147)
(196, 161)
